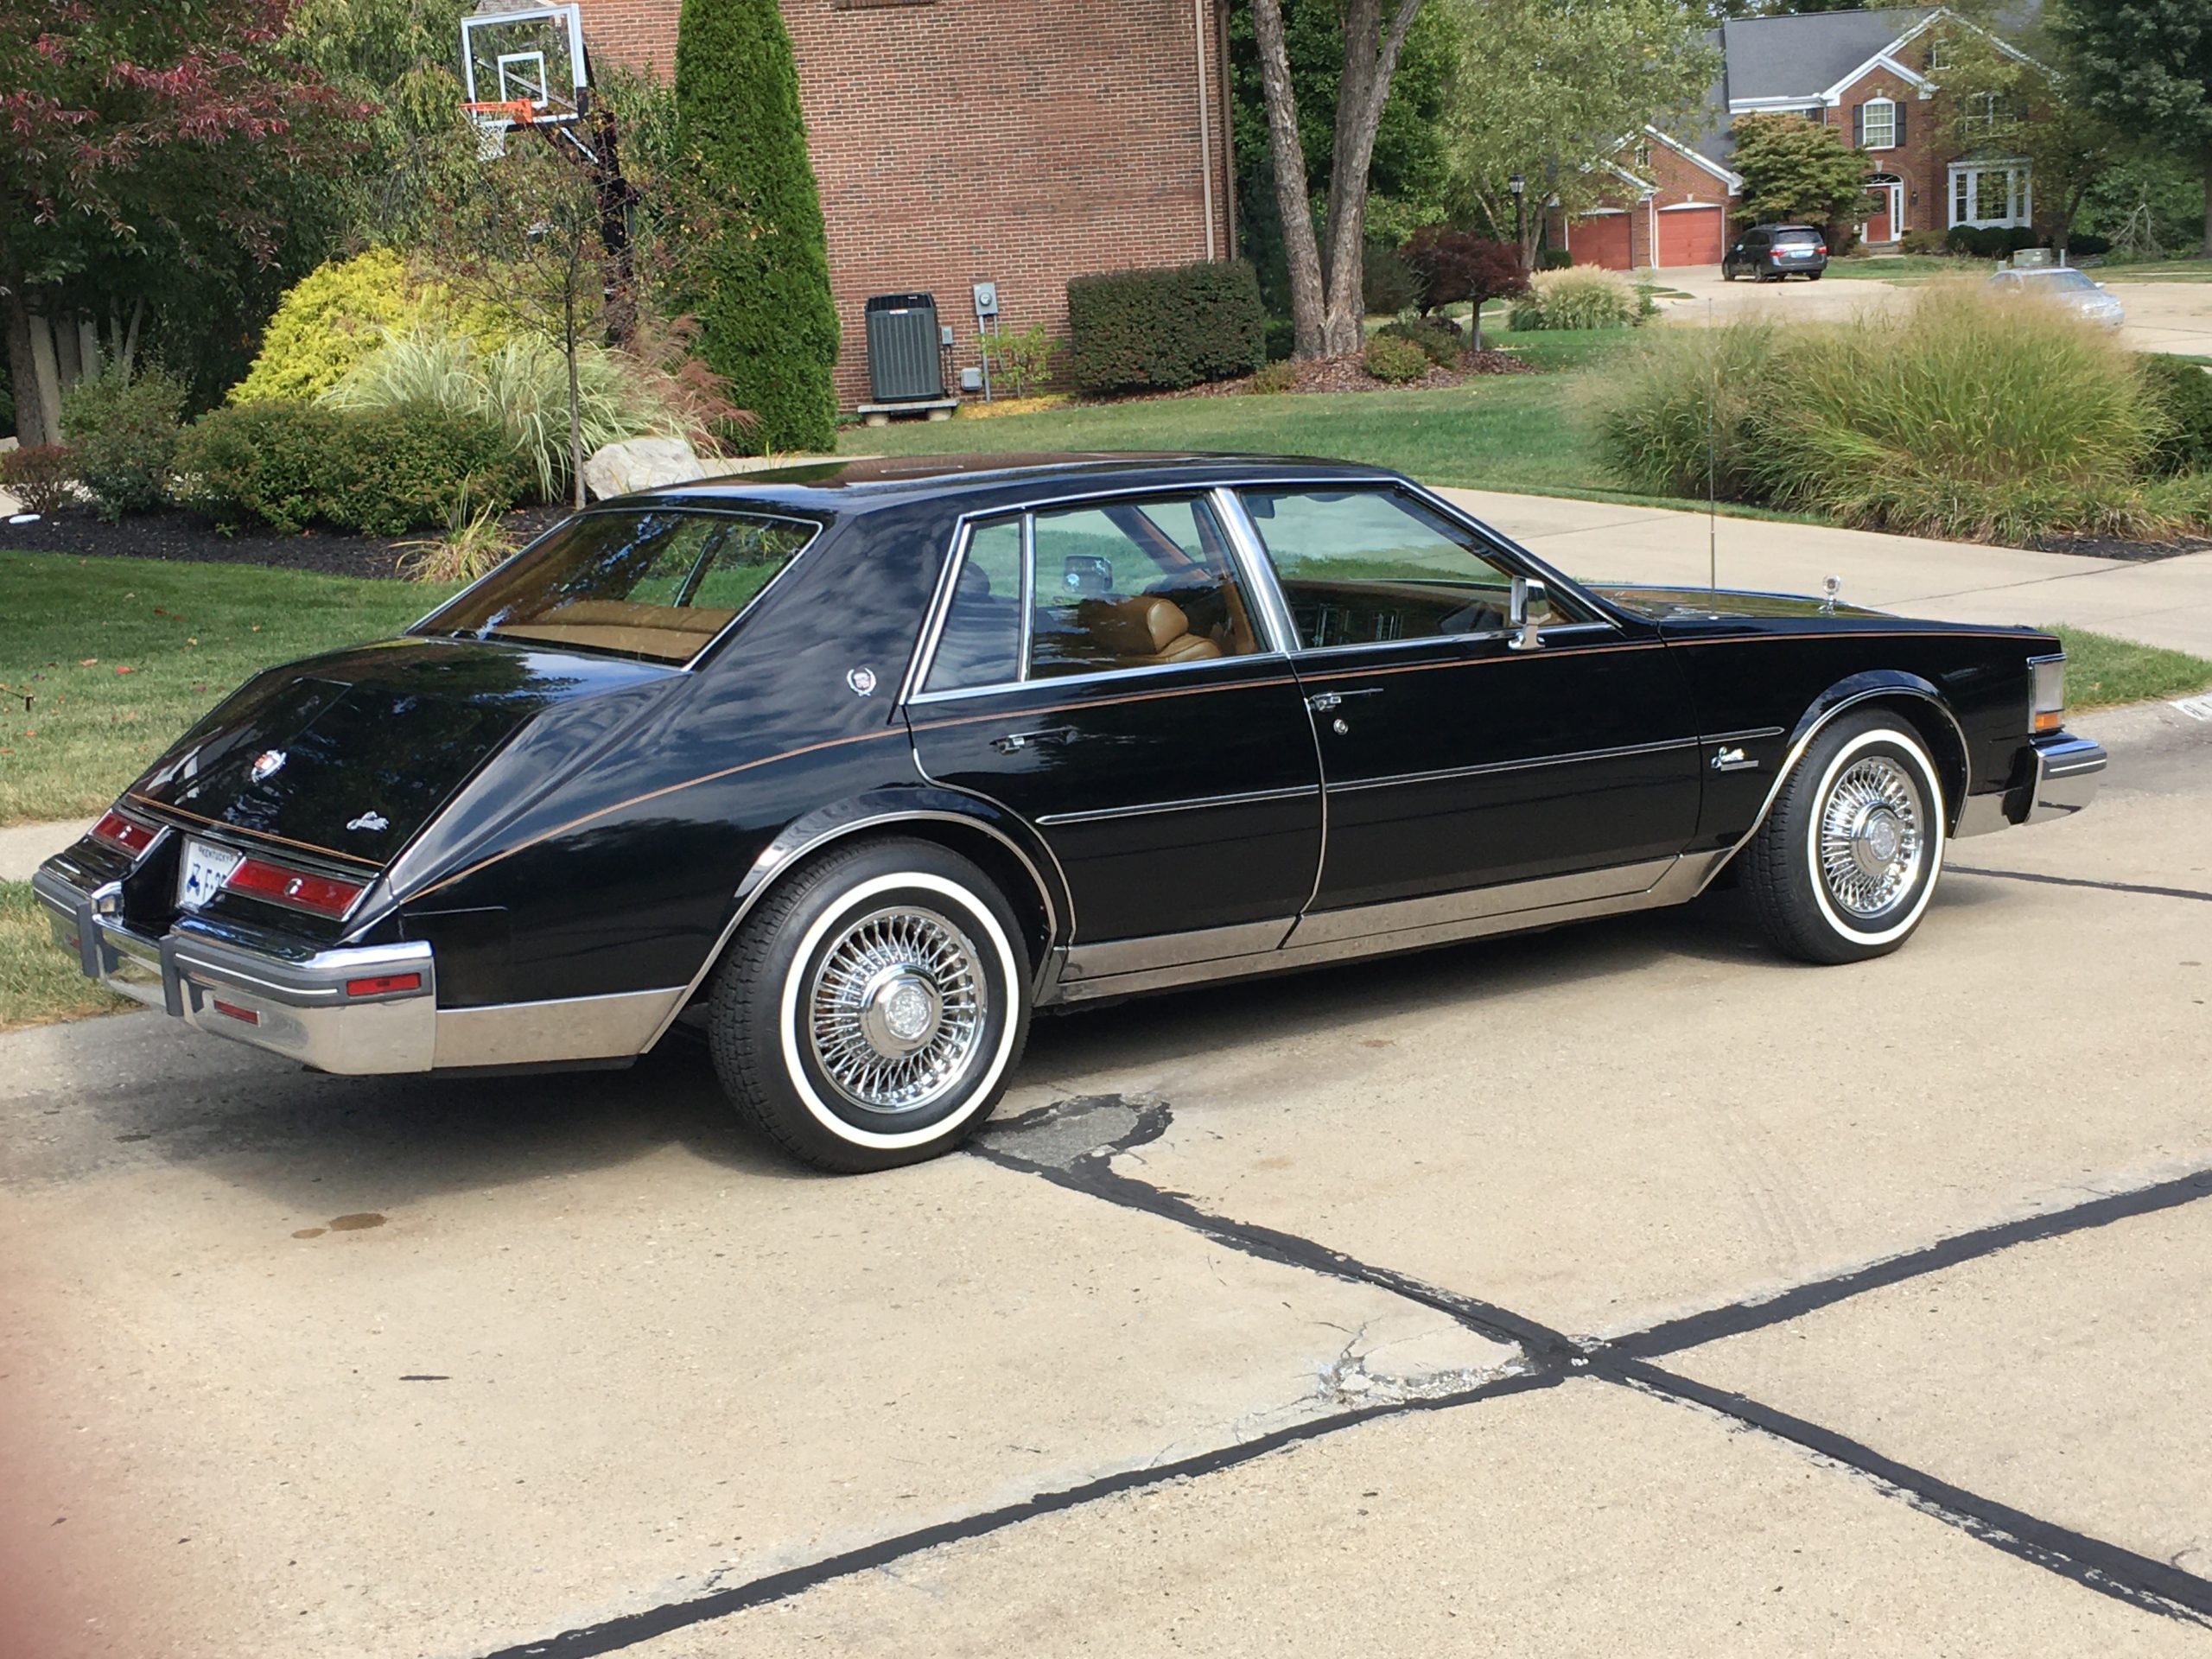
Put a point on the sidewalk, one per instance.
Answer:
(2168, 602)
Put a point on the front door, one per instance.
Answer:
(1886, 222)
(1098, 672)
(1453, 761)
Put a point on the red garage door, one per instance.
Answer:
(1689, 236)
(1601, 239)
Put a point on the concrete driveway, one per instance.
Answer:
(2161, 316)
(1622, 1289)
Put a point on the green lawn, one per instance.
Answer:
(2158, 270)
(103, 662)
(39, 981)
(2102, 671)
(1903, 267)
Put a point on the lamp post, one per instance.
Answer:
(1516, 184)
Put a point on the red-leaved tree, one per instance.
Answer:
(132, 133)
(1455, 265)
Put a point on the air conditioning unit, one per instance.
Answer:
(903, 365)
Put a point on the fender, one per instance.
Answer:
(877, 810)
(1846, 694)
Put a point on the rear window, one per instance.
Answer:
(1791, 238)
(659, 586)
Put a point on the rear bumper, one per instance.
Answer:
(307, 1005)
(2058, 776)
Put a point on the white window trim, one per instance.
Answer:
(2019, 186)
(1866, 123)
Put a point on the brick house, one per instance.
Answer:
(958, 141)
(1869, 74)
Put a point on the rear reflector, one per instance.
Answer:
(127, 834)
(319, 895)
(384, 985)
(234, 1011)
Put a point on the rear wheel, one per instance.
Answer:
(1727, 271)
(870, 1011)
(1847, 861)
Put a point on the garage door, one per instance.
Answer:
(1601, 239)
(1689, 236)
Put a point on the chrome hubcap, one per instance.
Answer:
(896, 1015)
(1870, 840)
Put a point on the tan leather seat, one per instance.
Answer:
(1142, 632)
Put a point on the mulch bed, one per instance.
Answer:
(176, 534)
(1344, 373)
(2105, 547)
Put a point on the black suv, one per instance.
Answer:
(1771, 252)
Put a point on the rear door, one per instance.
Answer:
(1452, 760)
(1101, 672)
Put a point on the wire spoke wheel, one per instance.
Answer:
(897, 1009)
(1871, 838)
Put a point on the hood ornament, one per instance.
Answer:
(266, 765)
(370, 821)
(1832, 587)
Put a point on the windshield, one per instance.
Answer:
(658, 585)
(2069, 280)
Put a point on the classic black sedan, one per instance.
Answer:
(857, 765)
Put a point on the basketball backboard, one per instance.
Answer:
(535, 56)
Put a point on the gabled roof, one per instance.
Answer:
(1801, 56)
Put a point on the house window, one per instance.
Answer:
(1935, 60)
(1978, 118)
(1991, 193)
(1880, 121)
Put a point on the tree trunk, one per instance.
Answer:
(2206, 251)
(1370, 60)
(22, 371)
(576, 417)
(45, 379)
(1308, 300)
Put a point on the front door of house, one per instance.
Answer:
(1886, 222)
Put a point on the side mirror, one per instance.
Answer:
(1530, 608)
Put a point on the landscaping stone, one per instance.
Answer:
(640, 464)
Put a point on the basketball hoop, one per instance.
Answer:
(493, 118)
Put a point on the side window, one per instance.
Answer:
(1365, 567)
(1118, 585)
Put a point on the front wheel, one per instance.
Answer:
(870, 1011)
(1727, 271)
(1846, 863)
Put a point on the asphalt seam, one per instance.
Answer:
(1552, 1356)
(2080, 881)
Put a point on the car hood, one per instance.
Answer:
(1707, 604)
(352, 754)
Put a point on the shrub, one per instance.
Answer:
(124, 434)
(1438, 339)
(522, 387)
(1924, 242)
(1164, 328)
(1272, 378)
(2085, 245)
(260, 461)
(768, 325)
(1456, 265)
(1282, 340)
(327, 322)
(1582, 296)
(412, 466)
(1022, 363)
(1395, 358)
(2181, 392)
(1688, 395)
(474, 543)
(1553, 258)
(1388, 282)
(39, 475)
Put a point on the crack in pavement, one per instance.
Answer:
(2080, 881)
(1073, 1143)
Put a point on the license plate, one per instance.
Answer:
(206, 868)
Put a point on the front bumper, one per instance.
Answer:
(2058, 776)
(304, 1003)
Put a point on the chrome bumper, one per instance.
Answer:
(2059, 776)
(297, 1004)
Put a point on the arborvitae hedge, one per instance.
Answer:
(766, 320)
(1167, 329)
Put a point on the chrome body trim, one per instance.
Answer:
(608, 1027)
(2068, 771)
(1782, 772)
(780, 854)
(293, 1004)
(1154, 671)
(1252, 563)
(1382, 929)
(1490, 767)
(1121, 957)
(1105, 814)
(1981, 815)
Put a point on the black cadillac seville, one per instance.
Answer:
(857, 765)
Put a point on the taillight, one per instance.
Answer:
(317, 895)
(127, 835)
(1822, 247)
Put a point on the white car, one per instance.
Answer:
(2063, 285)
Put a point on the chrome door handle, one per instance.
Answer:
(1013, 741)
(1321, 702)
